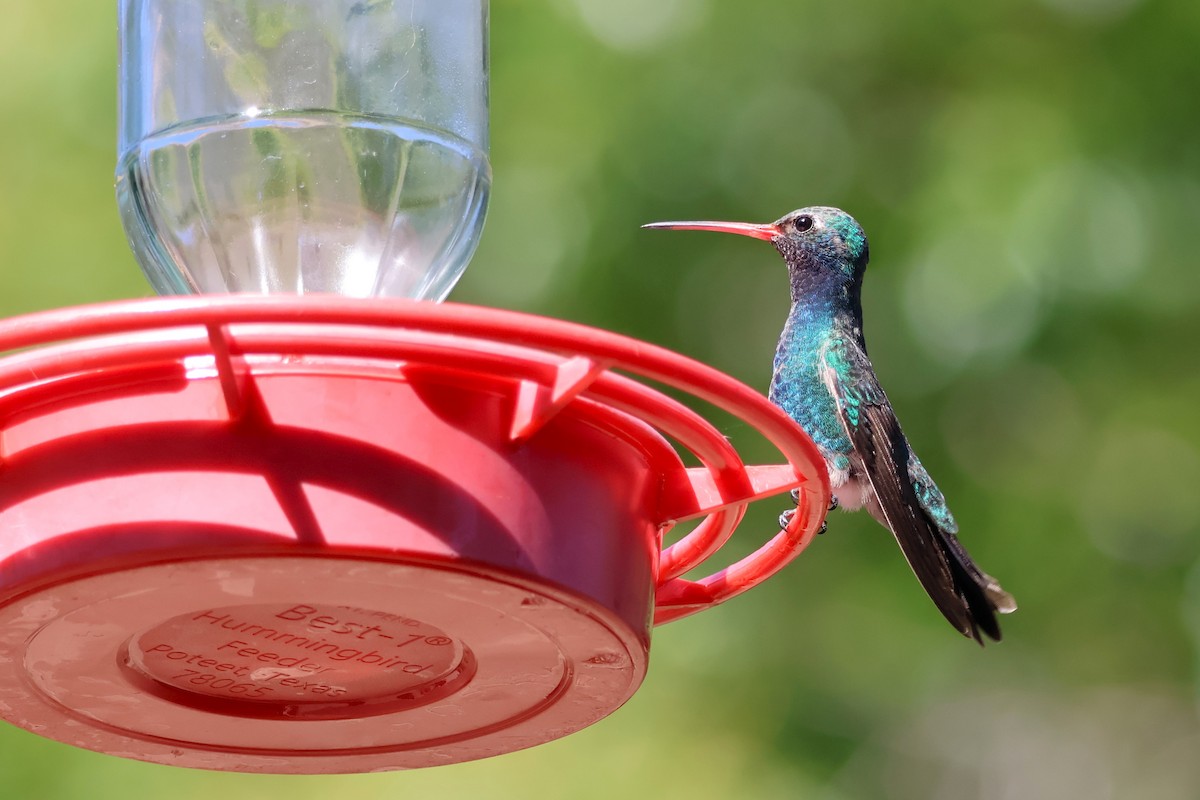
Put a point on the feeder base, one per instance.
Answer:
(311, 664)
(316, 535)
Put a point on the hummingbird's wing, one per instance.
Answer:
(966, 596)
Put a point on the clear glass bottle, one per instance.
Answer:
(301, 146)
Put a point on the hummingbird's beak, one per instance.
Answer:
(765, 232)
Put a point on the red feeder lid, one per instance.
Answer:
(314, 534)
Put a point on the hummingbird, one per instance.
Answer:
(824, 381)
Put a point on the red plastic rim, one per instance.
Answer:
(315, 534)
(471, 336)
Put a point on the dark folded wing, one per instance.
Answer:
(953, 582)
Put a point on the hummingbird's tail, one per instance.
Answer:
(967, 596)
(982, 594)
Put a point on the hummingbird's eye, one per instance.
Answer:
(803, 223)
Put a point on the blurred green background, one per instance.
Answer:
(1029, 176)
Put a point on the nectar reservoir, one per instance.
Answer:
(304, 146)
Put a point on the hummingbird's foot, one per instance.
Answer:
(833, 502)
(785, 519)
(795, 493)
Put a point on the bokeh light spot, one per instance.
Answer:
(1083, 227)
(636, 25)
(1138, 500)
(1038, 413)
(536, 228)
(964, 299)
(1100, 10)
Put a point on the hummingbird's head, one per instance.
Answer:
(820, 244)
(820, 238)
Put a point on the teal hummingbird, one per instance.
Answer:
(824, 381)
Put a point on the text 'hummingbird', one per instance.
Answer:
(824, 381)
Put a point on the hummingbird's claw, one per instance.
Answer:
(785, 519)
(795, 493)
(833, 502)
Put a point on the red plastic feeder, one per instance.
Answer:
(304, 535)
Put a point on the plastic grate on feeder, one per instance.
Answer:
(316, 534)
